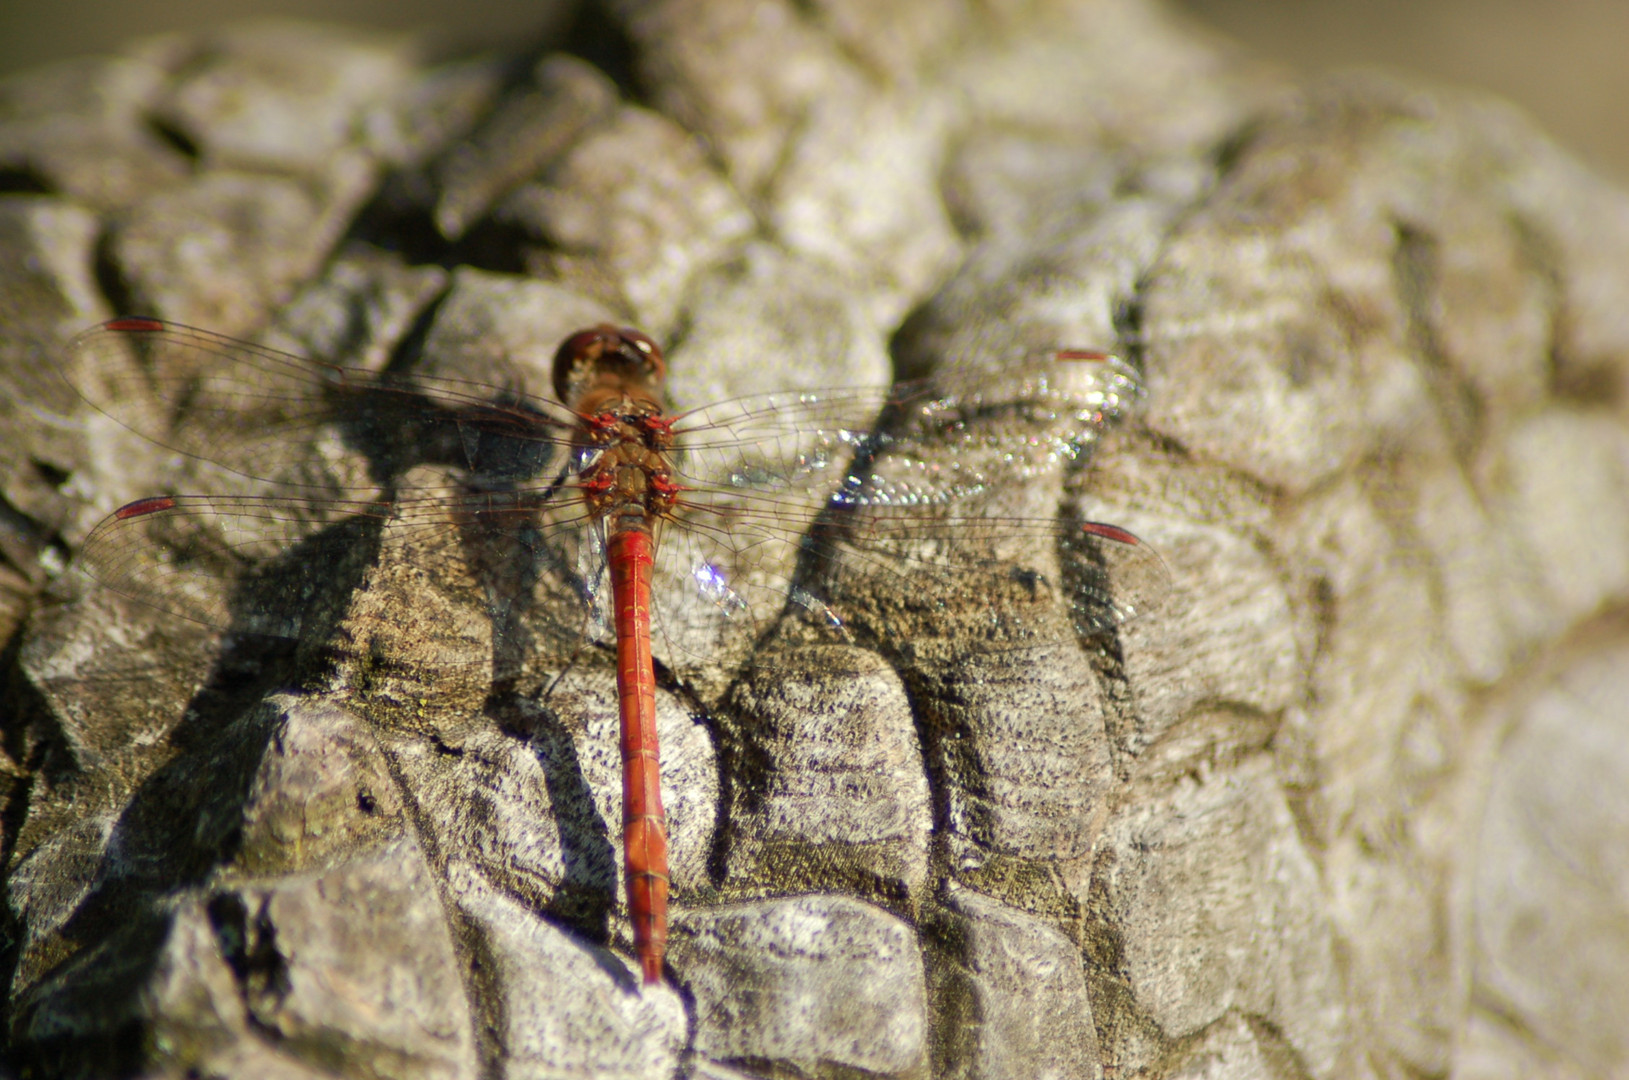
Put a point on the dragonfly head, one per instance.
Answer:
(597, 368)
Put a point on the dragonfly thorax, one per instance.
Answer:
(630, 476)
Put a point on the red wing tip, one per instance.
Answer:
(1110, 532)
(134, 325)
(143, 507)
(1093, 356)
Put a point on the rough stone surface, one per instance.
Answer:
(562, 1008)
(1549, 888)
(280, 96)
(634, 211)
(1347, 803)
(1235, 1047)
(360, 310)
(522, 137)
(216, 252)
(76, 129)
(47, 285)
(829, 790)
(1247, 933)
(294, 938)
(809, 985)
(1012, 997)
(503, 329)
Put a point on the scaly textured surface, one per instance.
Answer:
(1347, 805)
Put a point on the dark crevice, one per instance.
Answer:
(954, 1009)
(596, 36)
(397, 219)
(32, 739)
(1118, 1017)
(961, 207)
(1106, 655)
(22, 179)
(794, 128)
(443, 748)
(482, 963)
(400, 216)
(1127, 317)
(1236, 145)
(1174, 449)
(13, 815)
(1599, 385)
(400, 219)
(1276, 1047)
(21, 541)
(945, 759)
(871, 64)
(409, 349)
(501, 247)
(1325, 607)
(54, 475)
(172, 136)
(249, 946)
(1595, 382)
(1183, 1055)
(1416, 270)
(120, 295)
(1090, 589)
(1103, 946)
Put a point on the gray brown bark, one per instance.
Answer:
(1350, 803)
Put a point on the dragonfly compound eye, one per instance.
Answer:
(644, 351)
(577, 356)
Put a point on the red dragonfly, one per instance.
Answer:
(720, 519)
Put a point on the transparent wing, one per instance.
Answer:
(255, 411)
(264, 565)
(810, 500)
(855, 571)
(935, 441)
(250, 565)
(253, 564)
(794, 499)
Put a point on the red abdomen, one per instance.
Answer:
(644, 824)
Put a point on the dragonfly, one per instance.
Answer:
(671, 532)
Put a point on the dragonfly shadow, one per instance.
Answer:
(586, 895)
(112, 976)
(304, 592)
(185, 820)
(505, 551)
(497, 445)
(500, 493)
(182, 821)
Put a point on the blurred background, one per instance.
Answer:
(1562, 60)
